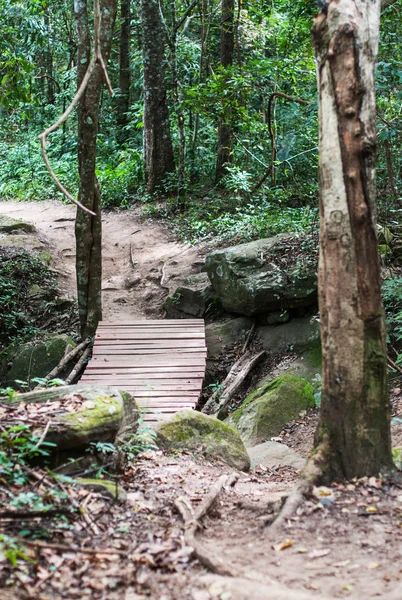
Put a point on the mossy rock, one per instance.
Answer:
(397, 457)
(192, 430)
(104, 412)
(103, 486)
(37, 359)
(8, 225)
(29, 243)
(266, 410)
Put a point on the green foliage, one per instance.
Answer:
(392, 298)
(19, 270)
(18, 445)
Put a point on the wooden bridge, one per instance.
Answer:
(160, 362)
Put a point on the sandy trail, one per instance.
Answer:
(141, 259)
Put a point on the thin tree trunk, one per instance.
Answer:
(354, 426)
(123, 103)
(88, 229)
(225, 142)
(158, 149)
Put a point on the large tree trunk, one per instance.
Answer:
(88, 229)
(123, 103)
(158, 149)
(225, 142)
(354, 428)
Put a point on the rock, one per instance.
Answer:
(132, 280)
(8, 225)
(192, 298)
(274, 318)
(249, 280)
(27, 242)
(397, 457)
(307, 365)
(104, 487)
(222, 336)
(266, 410)
(273, 454)
(100, 414)
(191, 430)
(298, 334)
(37, 359)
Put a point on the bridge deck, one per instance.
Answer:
(160, 362)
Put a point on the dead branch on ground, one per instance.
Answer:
(192, 522)
(65, 360)
(219, 402)
(79, 366)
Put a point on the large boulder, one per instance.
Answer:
(266, 410)
(191, 430)
(37, 359)
(192, 298)
(252, 279)
(9, 225)
(84, 414)
(298, 335)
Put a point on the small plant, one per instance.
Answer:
(316, 382)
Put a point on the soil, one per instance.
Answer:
(344, 542)
(142, 262)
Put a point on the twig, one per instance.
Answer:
(66, 359)
(250, 335)
(35, 514)
(42, 437)
(79, 366)
(65, 548)
(394, 365)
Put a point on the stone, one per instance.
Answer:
(307, 364)
(27, 242)
(221, 336)
(194, 431)
(274, 454)
(250, 280)
(397, 457)
(104, 487)
(274, 318)
(297, 335)
(103, 413)
(37, 359)
(192, 298)
(9, 225)
(266, 410)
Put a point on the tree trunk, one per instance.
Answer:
(123, 103)
(354, 428)
(225, 142)
(158, 149)
(88, 229)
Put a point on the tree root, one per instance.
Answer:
(310, 475)
(192, 521)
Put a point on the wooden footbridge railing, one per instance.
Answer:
(160, 362)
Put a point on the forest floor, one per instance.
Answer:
(345, 542)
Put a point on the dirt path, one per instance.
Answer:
(141, 259)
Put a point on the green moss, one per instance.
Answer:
(192, 430)
(270, 407)
(397, 457)
(8, 225)
(103, 486)
(108, 409)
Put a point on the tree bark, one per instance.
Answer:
(158, 149)
(123, 103)
(225, 142)
(355, 417)
(88, 229)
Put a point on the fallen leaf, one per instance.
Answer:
(371, 509)
(89, 404)
(301, 550)
(284, 545)
(348, 588)
(373, 565)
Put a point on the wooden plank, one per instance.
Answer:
(156, 385)
(166, 344)
(141, 372)
(151, 360)
(145, 351)
(151, 322)
(184, 335)
(164, 394)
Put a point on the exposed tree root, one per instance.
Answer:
(310, 475)
(192, 521)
